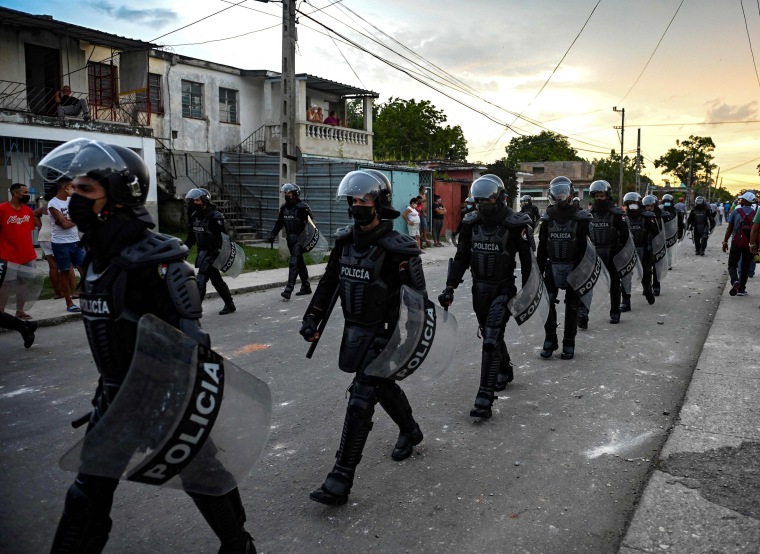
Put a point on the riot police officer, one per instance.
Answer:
(527, 207)
(701, 221)
(206, 228)
(669, 206)
(608, 231)
(561, 247)
(491, 238)
(129, 272)
(293, 215)
(649, 202)
(643, 227)
(367, 267)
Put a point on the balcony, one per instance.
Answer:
(316, 139)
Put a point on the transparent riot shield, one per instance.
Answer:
(231, 258)
(627, 264)
(587, 274)
(530, 306)
(424, 337)
(184, 418)
(671, 241)
(660, 252)
(312, 241)
(20, 285)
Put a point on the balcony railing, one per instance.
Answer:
(128, 109)
(339, 134)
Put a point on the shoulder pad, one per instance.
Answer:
(518, 219)
(617, 211)
(583, 215)
(646, 213)
(399, 243)
(545, 216)
(302, 204)
(154, 248)
(471, 218)
(343, 232)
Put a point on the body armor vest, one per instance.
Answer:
(364, 295)
(602, 230)
(638, 228)
(700, 220)
(293, 225)
(205, 238)
(490, 261)
(563, 241)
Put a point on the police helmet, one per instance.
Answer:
(749, 196)
(649, 200)
(292, 188)
(469, 200)
(203, 194)
(631, 198)
(560, 189)
(368, 184)
(600, 186)
(526, 200)
(121, 172)
(700, 201)
(488, 187)
(667, 198)
(576, 200)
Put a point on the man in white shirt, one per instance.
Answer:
(67, 249)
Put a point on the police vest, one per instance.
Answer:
(490, 260)
(293, 225)
(700, 220)
(639, 230)
(563, 240)
(365, 297)
(602, 230)
(205, 238)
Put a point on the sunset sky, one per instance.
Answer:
(678, 67)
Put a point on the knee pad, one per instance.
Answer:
(361, 402)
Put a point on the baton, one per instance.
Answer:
(448, 275)
(323, 323)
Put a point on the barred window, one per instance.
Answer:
(103, 84)
(192, 99)
(228, 105)
(154, 93)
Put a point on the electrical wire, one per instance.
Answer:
(749, 40)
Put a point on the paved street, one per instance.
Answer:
(557, 469)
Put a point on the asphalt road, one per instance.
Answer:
(557, 469)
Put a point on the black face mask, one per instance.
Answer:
(80, 212)
(363, 215)
(488, 210)
(25, 199)
(601, 205)
(290, 201)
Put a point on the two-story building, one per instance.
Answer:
(536, 177)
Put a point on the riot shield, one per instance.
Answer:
(424, 337)
(585, 276)
(660, 252)
(530, 306)
(231, 258)
(20, 285)
(184, 418)
(312, 241)
(671, 241)
(627, 264)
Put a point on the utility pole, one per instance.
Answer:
(638, 162)
(622, 134)
(691, 176)
(288, 156)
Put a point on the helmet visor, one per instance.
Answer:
(56, 165)
(560, 192)
(361, 184)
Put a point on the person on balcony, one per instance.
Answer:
(69, 105)
(330, 119)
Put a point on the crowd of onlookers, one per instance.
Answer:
(415, 216)
(316, 114)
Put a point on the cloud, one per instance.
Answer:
(718, 111)
(154, 18)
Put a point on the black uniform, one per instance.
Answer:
(368, 269)
(206, 228)
(130, 271)
(679, 215)
(608, 230)
(702, 221)
(561, 246)
(663, 216)
(643, 225)
(293, 216)
(487, 247)
(533, 212)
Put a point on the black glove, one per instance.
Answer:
(309, 327)
(446, 298)
(270, 239)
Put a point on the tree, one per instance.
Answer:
(355, 114)
(690, 161)
(544, 147)
(608, 169)
(506, 174)
(411, 130)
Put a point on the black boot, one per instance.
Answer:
(228, 309)
(85, 523)
(395, 403)
(550, 345)
(649, 294)
(615, 316)
(334, 491)
(625, 303)
(583, 321)
(656, 289)
(506, 370)
(489, 367)
(287, 292)
(305, 289)
(568, 349)
(225, 515)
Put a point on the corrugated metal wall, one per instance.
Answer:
(319, 179)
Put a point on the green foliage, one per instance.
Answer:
(413, 131)
(608, 169)
(501, 169)
(355, 114)
(692, 157)
(544, 147)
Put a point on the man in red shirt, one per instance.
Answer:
(16, 226)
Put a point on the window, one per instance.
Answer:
(228, 105)
(537, 170)
(103, 82)
(192, 99)
(154, 93)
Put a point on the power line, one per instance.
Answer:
(749, 40)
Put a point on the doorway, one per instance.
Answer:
(43, 77)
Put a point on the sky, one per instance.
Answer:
(499, 68)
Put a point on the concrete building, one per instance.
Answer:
(537, 176)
